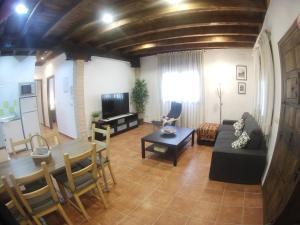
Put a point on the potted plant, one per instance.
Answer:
(140, 97)
(95, 116)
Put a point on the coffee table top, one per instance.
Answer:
(171, 140)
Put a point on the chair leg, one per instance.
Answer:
(111, 173)
(63, 192)
(79, 203)
(104, 177)
(101, 195)
(63, 214)
(37, 220)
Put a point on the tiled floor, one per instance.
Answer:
(153, 192)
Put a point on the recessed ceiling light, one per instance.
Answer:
(149, 45)
(21, 9)
(174, 2)
(107, 18)
(42, 58)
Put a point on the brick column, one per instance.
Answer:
(79, 99)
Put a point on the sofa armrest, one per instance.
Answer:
(229, 122)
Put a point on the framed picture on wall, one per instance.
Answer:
(241, 88)
(241, 72)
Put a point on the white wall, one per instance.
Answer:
(220, 63)
(104, 76)
(13, 70)
(64, 98)
(279, 18)
(220, 66)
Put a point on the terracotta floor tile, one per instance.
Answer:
(233, 198)
(171, 218)
(160, 199)
(228, 214)
(205, 210)
(197, 221)
(182, 205)
(253, 188)
(253, 200)
(210, 195)
(234, 187)
(253, 216)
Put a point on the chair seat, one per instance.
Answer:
(41, 203)
(80, 182)
(100, 145)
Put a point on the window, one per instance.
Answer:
(180, 86)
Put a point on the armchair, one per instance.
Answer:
(171, 118)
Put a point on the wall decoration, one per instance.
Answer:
(241, 88)
(241, 72)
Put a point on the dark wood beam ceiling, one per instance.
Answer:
(73, 26)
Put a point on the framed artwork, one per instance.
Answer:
(241, 72)
(241, 88)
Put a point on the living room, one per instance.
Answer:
(193, 106)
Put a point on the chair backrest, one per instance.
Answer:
(25, 142)
(30, 195)
(12, 201)
(175, 110)
(104, 132)
(90, 168)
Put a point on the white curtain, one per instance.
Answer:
(181, 76)
(264, 70)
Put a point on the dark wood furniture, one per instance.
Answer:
(21, 167)
(281, 189)
(175, 142)
(118, 124)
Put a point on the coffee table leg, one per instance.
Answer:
(193, 134)
(143, 148)
(175, 157)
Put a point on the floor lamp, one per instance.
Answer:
(219, 90)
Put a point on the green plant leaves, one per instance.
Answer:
(140, 95)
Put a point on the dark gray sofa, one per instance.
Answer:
(243, 166)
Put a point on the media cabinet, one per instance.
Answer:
(118, 124)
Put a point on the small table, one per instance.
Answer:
(174, 143)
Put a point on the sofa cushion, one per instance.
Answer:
(241, 142)
(225, 127)
(254, 132)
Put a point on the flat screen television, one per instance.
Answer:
(114, 104)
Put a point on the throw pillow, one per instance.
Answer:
(237, 133)
(241, 142)
(239, 125)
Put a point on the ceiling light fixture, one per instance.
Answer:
(21, 9)
(42, 58)
(107, 18)
(174, 2)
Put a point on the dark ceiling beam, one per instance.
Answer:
(181, 33)
(185, 21)
(29, 19)
(67, 11)
(192, 40)
(164, 49)
(187, 8)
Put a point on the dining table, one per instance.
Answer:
(26, 165)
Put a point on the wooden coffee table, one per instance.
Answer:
(174, 143)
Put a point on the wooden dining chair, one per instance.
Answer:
(13, 204)
(80, 179)
(24, 142)
(41, 201)
(103, 152)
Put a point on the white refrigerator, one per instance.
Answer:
(29, 116)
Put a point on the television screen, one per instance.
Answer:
(115, 104)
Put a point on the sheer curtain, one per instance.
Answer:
(182, 81)
(264, 70)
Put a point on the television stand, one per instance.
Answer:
(118, 124)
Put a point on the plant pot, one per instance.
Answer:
(140, 121)
(96, 119)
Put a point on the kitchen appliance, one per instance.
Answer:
(27, 89)
(29, 116)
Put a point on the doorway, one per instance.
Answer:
(51, 101)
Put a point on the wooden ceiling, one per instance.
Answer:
(140, 27)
